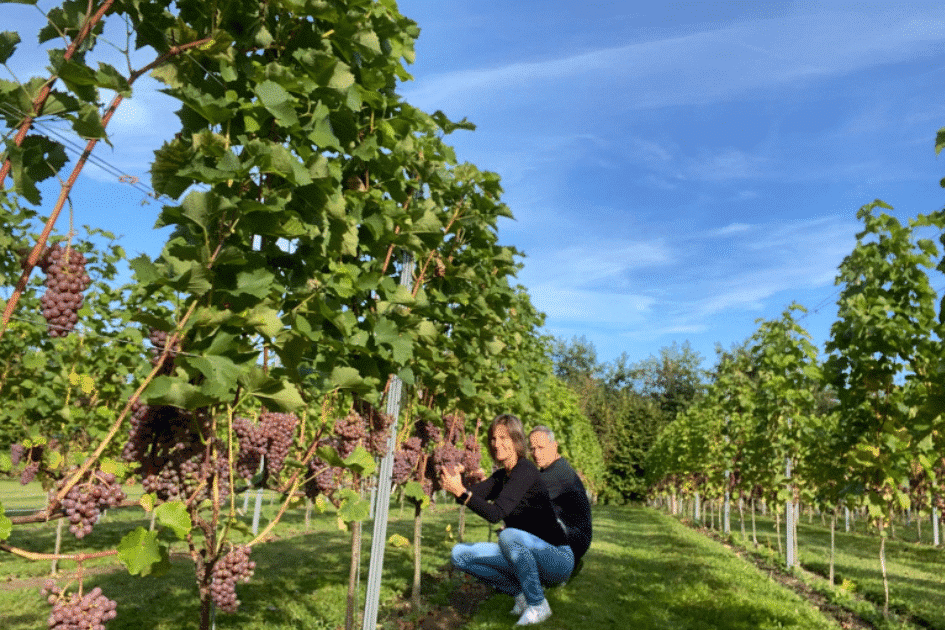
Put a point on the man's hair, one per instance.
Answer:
(543, 429)
(516, 431)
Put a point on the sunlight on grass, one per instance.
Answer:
(644, 571)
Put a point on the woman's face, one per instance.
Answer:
(503, 446)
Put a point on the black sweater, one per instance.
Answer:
(571, 505)
(520, 499)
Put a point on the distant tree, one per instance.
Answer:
(674, 378)
(575, 360)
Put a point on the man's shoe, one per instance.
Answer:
(520, 605)
(535, 614)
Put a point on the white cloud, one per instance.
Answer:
(702, 67)
(562, 304)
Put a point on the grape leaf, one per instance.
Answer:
(141, 554)
(174, 515)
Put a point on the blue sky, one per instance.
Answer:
(676, 170)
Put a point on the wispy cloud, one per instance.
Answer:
(706, 66)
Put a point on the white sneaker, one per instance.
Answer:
(520, 605)
(535, 614)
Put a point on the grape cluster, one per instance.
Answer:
(454, 427)
(279, 429)
(29, 473)
(253, 445)
(472, 460)
(351, 431)
(234, 567)
(158, 339)
(323, 478)
(173, 449)
(78, 612)
(428, 433)
(405, 460)
(66, 279)
(379, 425)
(17, 451)
(31, 457)
(445, 457)
(84, 502)
(271, 438)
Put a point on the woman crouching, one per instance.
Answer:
(532, 550)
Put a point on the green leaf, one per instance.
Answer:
(220, 374)
(8, 42)
(329, 455)
(167, 390)
(398, 541)
(88, 124)
(109, 78)
(940, 141)
(361, 462)
(172, 158)
(345, 377)
(265, 320)
(413, 490)
(353, 507)
(141, 554)
(256, 283)
(145, 271)
(276, 394)
(174, 515)
(6, 525)
(277, 101)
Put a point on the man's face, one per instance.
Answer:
(544, 451)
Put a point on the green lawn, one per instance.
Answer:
(916, 578)
(644, 571)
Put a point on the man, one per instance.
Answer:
(567, 493)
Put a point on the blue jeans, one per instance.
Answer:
(519, 563)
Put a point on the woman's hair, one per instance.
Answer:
(516, 431)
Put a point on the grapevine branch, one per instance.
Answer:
(40, 101)
(68, 185)
(426, 264)
(79, 557)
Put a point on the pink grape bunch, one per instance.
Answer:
(323, 478)
(158, 339)
(279, 429)
(234, 567)
(90, 611)
(174, 451)
(86, 500)
(270, 438)
(351, 432)
(472, 460)
(66, 280)
(454, 427)
(32, 457)
(406, 459)
(253, 445)
(379, 427)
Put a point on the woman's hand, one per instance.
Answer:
(451, 480)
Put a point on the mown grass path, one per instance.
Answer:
(645, 571)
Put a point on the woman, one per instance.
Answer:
(532, 548)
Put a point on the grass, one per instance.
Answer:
(644, 571)
(647, 571)
(916, 580)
